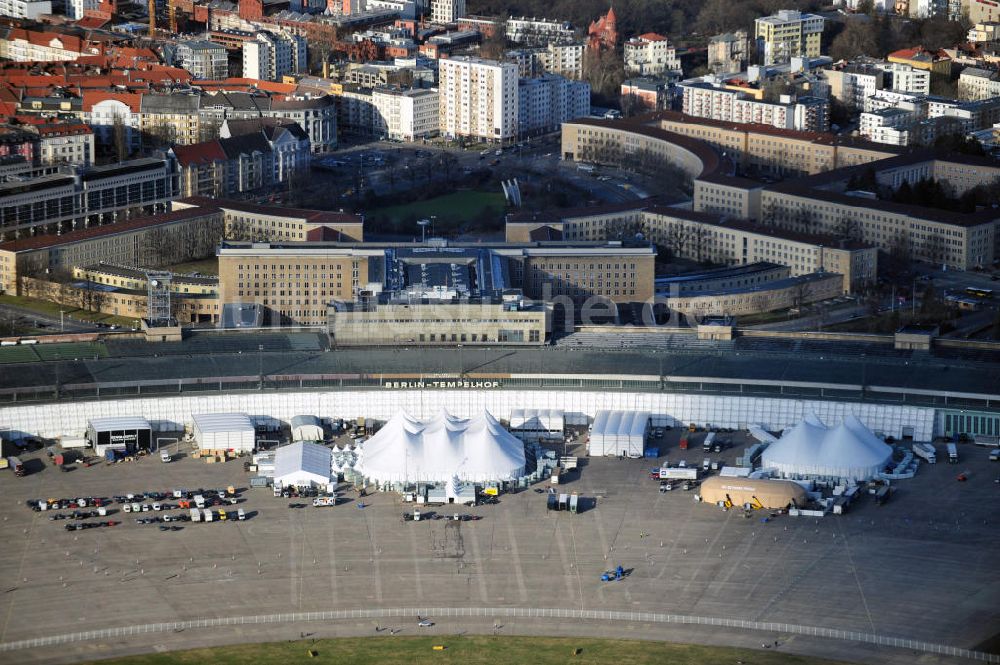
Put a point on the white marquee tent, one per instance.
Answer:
(302, 464)
(619, 433)
(811, 449)
(536, 424)
(476, 449)
(224, 431)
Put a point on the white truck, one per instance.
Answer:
(952, 453)
(678, 473)
(325, 501)
(926, 452)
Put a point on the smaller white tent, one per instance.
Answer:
(619, 433)
(849, 451)
(306, 428)
(302, 464)
(536, 424)
(224, 431)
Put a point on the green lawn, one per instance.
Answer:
(208, 266)
(52, 309)
(451, 210)
(469, 650)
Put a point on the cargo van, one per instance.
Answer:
(165, 456)
(208, 515)
(241, 515)
(706, 464)
(995, 455)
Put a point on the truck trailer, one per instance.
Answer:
(926, 452)
(952, 453)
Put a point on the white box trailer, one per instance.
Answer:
(69, 442)
(224, 431)
(678, 473)
(952, 453)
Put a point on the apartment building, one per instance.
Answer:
(447, 11)
(935, 62)
(975, 83)
(104, 111)
(315, 114)
(170, 119)
(205, 60)
(545, 102)
(29, 9)
(94, 196)
(650, 54)
(728, 52)
(538, 31)
(64, 143)
(787, 34)
(478, 99)
(564, 59)
(23, 45)
(270, 56)
(853, 83)
(405, 115)
(250, 156)
(709, 97)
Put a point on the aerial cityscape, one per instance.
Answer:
(499, 331)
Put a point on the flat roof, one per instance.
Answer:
(47, 241)
(721, 273)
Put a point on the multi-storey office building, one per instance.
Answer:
(97, 195)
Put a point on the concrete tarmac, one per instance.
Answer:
(920, 567)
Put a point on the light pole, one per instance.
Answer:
(260, 365)
(461, 363)
(62, 322)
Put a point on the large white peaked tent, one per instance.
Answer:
(409, 450)
(849, 451)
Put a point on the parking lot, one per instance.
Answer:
(922, 566)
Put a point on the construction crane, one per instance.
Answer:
(755, 502)
(728, 503)
(152, 19)
(172, 16)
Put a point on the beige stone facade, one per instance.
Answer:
(264, 223)
(296, 281)
(440, 324)
(779, 295)
(147, 241)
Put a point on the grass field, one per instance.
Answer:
(70, 351)
(451, 210)
(209, 266)
(52, 309)
(469, 650)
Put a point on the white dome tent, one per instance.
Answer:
(849, 451)
(441, 450)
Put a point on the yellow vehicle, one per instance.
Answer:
(222, 515)
(491, 491)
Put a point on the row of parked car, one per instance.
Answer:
(79, 526)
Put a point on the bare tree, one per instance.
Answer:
(119, 138)
(847, 228)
